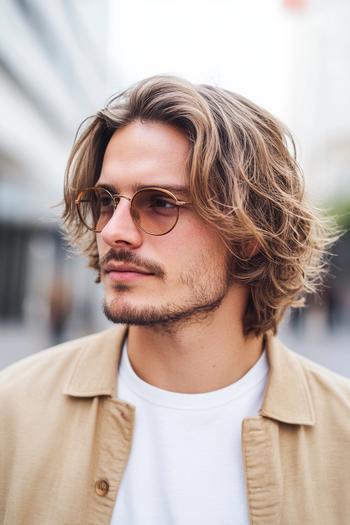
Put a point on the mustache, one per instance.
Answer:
(129, 257)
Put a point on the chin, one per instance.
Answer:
(124, 312)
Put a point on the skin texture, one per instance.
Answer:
(185, 313)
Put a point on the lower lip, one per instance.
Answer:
(126, 276)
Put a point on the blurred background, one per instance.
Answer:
(61, 60)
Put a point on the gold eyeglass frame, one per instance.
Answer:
(168, 193)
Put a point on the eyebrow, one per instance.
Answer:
(174, 188)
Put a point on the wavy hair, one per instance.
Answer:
(243, 179)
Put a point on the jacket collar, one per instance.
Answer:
(95, 369)
(287, 396)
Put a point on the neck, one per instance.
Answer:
(199, 356)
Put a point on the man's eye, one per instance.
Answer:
(161, 202)
(105, 202)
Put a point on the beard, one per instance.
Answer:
(204, 296)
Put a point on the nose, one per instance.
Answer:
(121, 229)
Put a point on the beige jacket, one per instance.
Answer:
(65, 439)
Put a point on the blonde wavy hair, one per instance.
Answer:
(242, 179)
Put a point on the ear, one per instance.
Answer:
(250, 249)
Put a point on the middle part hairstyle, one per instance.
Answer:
(242, 179)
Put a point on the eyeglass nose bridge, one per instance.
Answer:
(117, 197)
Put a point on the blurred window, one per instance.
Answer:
(13, 269)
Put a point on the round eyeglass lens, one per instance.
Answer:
(95, 207)
(154, 211)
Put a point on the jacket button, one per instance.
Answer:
(102, 487)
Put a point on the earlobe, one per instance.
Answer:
(250, 249)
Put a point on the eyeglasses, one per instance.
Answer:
(153, 210)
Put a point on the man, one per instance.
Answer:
(191, 209)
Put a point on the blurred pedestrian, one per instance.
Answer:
(60, 302)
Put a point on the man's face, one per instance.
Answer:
(156, 279)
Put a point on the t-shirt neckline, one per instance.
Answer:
(176, 400)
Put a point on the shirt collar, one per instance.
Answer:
(287, 396)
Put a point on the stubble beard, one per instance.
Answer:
(203, 299)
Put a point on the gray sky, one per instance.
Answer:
(293, 62)
(243, 45)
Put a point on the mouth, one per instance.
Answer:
(124, 272)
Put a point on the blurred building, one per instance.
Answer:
(320, 119)
(320, 103)
(57, 61)
(53, 73)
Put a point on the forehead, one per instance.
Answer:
(146, 153)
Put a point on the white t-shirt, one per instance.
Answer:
(185, 466)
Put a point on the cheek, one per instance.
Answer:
(101, 245)
(192, 244)
(204, 238)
